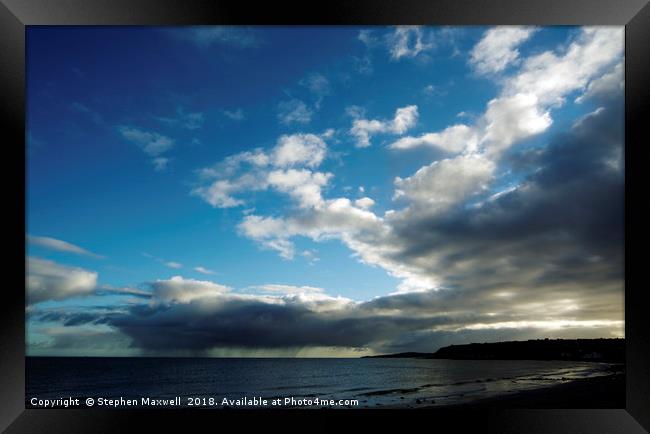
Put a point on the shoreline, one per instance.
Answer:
(607, 391)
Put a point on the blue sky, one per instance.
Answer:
(289, 163)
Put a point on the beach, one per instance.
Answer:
(599, 392)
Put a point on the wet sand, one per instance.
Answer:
(599, 392)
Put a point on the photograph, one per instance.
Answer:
(253, 217)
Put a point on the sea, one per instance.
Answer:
(218, 383)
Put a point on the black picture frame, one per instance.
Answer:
(15, 15)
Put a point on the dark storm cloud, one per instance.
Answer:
(252, 322)
(71, 319)
(563, 225)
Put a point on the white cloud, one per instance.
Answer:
(552, 76)
(431, 90)
(204, 270)
(284, 247)
(317, 84)
(405, 118)
(364, 203)
(160, 163)
(297, 111)
(366, 37)
(366, 234)
(289, 289)
(180, 290)
(258, 227)
(453, 139)
(446, 182)
(166, 263)
(522, 110)
(355, 111)
(110, 290)
(407, 41)
(310, 255)
(235, 115)
(207, 36)
(328, 133)
(60, 246)
(152, 143)
(498, 48)
(48, 280)
(270, 233)
(284, 167)
(314, 300)
(582, 120)
(294, 111)
(232, 164)
(190, 121)
(333, 218)
(303, 185)
(610, 83)
(298, 150)
(220, 193)
(363, 64)
(513, 118)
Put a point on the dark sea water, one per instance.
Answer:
(372, 382)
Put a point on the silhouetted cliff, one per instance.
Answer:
(597, 350)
